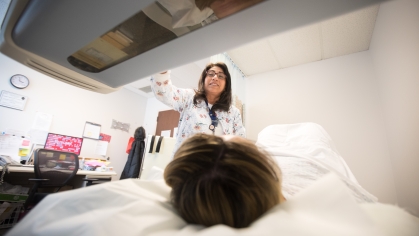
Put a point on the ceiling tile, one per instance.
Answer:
(349, 33)
(187, 76)
(253, 58)
(297, 47)
(140, 83)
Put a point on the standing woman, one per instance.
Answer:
(206, 110)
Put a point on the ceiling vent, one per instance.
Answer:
(63, 78)
(146, 89)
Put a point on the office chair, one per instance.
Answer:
(53, 170)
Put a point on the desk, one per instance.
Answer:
(19, 175)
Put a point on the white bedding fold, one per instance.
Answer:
(304, 153)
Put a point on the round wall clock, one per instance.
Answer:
(19, 81)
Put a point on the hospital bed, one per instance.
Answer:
(331, 204)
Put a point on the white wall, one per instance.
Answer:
(395, 53)
(152, 111)
(71, 107)
(342, 95)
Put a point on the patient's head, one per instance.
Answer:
(222, 181)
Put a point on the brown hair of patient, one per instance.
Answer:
(229, 182)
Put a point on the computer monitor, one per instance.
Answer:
(63, 143)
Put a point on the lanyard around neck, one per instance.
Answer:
(213, 116)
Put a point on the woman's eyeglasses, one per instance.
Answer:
(212, 73)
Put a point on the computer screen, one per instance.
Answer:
(63, 143)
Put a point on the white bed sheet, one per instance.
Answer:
(139, 207)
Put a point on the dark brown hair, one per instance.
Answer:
(222, 182)
(224, 102)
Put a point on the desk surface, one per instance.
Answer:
(24, 169)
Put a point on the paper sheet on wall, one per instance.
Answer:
(101, 148)
(40, 127)
(15, 132)
(38, 136)
(165, 133)
(12, 100)
(9, 146)
(42, 121)
(91, 130)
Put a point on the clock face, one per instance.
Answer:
(19, 81)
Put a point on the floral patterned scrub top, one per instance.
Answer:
(193, 118)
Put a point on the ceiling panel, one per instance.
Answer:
(297, 47)
(254, 58)
(349, 33)
(186, 76)
(342, 35)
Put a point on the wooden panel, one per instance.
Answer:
(167, 120)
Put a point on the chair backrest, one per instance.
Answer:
(56, 166)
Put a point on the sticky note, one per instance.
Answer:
(23, 152)
(62, 157)
(25, 142)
